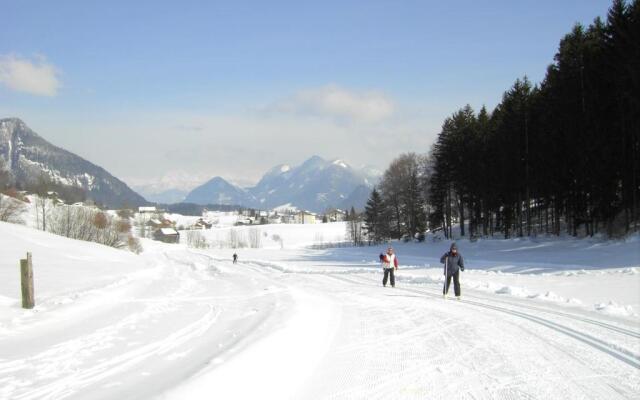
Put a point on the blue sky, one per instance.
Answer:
(224, 88)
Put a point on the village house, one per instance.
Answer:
(288, 219)
(336, 215)
(245, 221)
(147, 210)
(202, 224)
(154, 223)
(167, 235)
(160, 222)
(305, 217)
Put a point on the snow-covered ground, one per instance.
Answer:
(540, 318)
(277, 236)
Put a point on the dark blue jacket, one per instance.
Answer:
(453, 263)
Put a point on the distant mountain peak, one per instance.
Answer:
(218, 191)
(315, 185)
(314, 158)
(314, 161)
(12, 120)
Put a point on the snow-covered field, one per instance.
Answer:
(277, 236)
(540, 318)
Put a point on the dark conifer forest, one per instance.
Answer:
(558, 157)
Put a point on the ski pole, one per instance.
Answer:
(446, 271)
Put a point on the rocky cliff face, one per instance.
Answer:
(29, 157)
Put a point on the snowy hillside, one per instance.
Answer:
(29, 156)
(293, 322)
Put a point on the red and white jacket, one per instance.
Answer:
(390, 261)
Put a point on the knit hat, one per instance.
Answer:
(453, 246)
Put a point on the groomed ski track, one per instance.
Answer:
(197, 326)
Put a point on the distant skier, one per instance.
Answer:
(235, 258)
(389, 265)
(453, 264)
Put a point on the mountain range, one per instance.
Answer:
(29, 158)
(315, 185)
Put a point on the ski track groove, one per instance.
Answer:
(70, 384)
(77, 380)
(511, 388)
(624, 331)
(620, 354)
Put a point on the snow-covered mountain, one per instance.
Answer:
(170, 196)
(29, 157)
(172, 187)
(357, 199)
(219, 191)
(315, 185)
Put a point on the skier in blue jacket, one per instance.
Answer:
(453, 265)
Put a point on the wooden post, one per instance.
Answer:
(26, 279)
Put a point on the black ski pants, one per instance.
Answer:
(456, 283)
(389, 273)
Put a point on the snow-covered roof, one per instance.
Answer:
(168, 231)
(146, 209)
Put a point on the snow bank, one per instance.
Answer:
(64, 269)
(612, 308)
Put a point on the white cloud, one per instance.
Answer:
(239, 146)
(336, 102)
(36, 76)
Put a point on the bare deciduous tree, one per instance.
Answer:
(235, 239)
(354, 229)
(87, 224)
(43, 204)
(277, 238)
(196, 240)
(141, 225)
(5, 175)
(11, 210)
(255, 239)
(134, 245)
(400, 190)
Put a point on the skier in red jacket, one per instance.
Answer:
(389, 265)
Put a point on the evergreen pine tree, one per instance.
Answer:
(374, 218)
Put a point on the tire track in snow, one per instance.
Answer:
(566, 383)
(618, 329)
(70, 384)
(62, 357)
(621, 354)
(580, 378)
